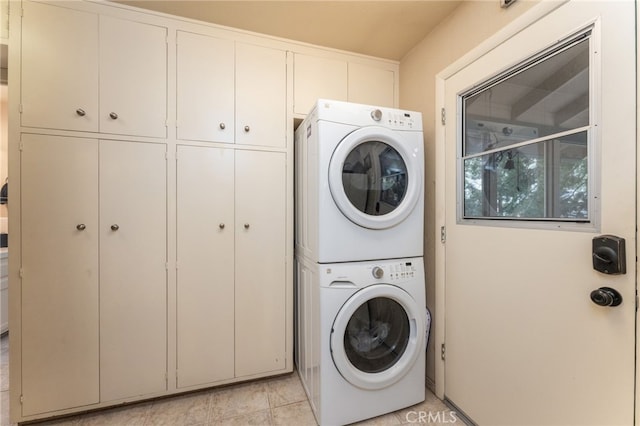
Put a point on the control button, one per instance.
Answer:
(376, 114)
(377, 272)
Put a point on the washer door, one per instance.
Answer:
(377, 336)
(374, 178)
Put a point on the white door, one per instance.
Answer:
(205, 94)
(133, 80)
(59, 288)
(205, 250)
(261, 95)
(260, 262)
(133, 275)
(540, 157)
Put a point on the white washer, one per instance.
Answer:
(359, 183)
(361, 337)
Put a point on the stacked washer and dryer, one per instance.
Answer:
(360, 330)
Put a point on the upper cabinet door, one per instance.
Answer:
(261, 96)
(205, 89)
(371, 85)
(59, 68)
(133, 78)
(317, 77)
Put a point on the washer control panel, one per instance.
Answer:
(395, 271)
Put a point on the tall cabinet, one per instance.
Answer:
(151, 220)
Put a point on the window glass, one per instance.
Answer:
(377, 335)
(374, 178)
(525, 139)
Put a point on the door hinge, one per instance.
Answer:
(443, 116)
(443, 234)
(442, 351)
(21, 399)
(20, 108)
(21, 273)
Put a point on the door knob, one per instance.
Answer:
(246, 226)
(221, 226)
(113, 115)
(247, 128)
(80, 112)
(81, 227)
(115, 227)
(222, 126)
(606, 296)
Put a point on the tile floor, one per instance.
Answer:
(274, 401)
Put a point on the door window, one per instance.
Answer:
(526, 140)
(376, 335)
(375, 178)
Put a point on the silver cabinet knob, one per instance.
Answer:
(247, 128)
(113, 115)
(81, 227)
(222, 126)
(115, 227)
(377, 272)
(246, 226)
(80, 112)
(221, 226)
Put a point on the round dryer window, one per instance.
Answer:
(374, 178)
(376, 336)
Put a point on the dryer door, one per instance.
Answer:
(377, 336)
(375, 178)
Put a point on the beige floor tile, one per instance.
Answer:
(184, 410)
(285, 390)
(130, 415)
(298, 414)
(239, 399)
(259, 418)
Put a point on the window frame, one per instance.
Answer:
(593, 220)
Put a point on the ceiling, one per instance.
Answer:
(385, 29)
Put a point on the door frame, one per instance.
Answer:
(536, 13)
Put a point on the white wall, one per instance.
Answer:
(471, 23)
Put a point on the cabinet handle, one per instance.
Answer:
(81, 227)
(113, 115)
(222, 126)
(247, 128)
(80, 112)
(115, 227)
(221, 226)
(246, 226)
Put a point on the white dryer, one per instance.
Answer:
(361, 337)
(359, 183)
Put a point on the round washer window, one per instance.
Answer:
(375, 178)
(377, 335)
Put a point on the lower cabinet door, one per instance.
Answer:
(260, 325)
(133, 275)
(205, 257)
(59, 303)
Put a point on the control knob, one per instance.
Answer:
(377, 272)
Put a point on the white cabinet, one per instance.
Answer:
(205, 274)
(102, 73)
(330, 77)
(260, 265)
(93, 303)
(261, 96)
(63, 42)
(205, 88)
(60, 288)
(230, 92)
(231, 249)
(133, 270)
(371, 85)
(318, 77)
